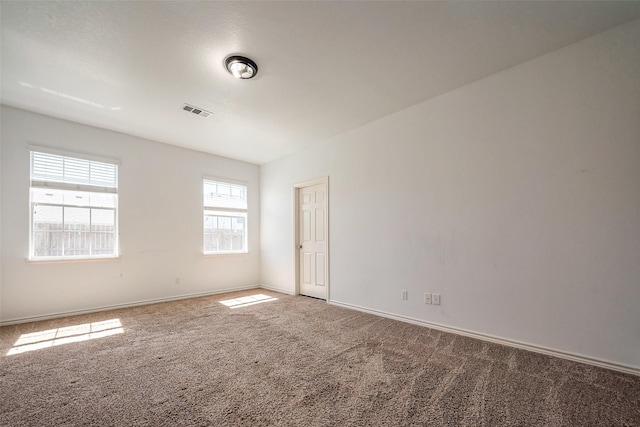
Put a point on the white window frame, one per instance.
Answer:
(231, 212)
(76, 185)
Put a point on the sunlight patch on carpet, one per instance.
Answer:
(246, 301)
(66, 335)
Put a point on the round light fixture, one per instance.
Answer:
(241, 67)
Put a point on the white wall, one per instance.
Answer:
(160, 220)
(517, 198)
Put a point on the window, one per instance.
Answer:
(74, 208)
(225, 217)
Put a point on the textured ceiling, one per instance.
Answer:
(324, 67)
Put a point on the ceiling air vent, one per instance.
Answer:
(196, 110)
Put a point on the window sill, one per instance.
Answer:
(218, 254)
(69, 260)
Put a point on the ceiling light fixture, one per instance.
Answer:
(241, 67)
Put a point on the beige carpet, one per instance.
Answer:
(290, 361)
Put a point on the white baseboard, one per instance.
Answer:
(282, 291)
(508, 342)
(125, 305)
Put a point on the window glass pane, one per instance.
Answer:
(224, 223)
(210, 233)
(238, 224)
(77, 222)
(238, 234)
(47, 231)
(103, 231)
(75, 198)
(210, 222)
(42, 195)
(225, 195)
(103, 200)
(224, 190)
(223, 233)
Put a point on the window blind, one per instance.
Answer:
(71, 170)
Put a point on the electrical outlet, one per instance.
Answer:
(404, 294)
(427, 298)
(436, 299)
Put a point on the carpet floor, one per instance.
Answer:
(276, 360)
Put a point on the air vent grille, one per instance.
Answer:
(195, 110)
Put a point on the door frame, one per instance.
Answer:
(296, 231)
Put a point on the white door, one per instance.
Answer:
(312, 223)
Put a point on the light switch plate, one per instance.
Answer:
(427, 298)
(436, 299)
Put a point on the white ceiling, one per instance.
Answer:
(324, 67)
